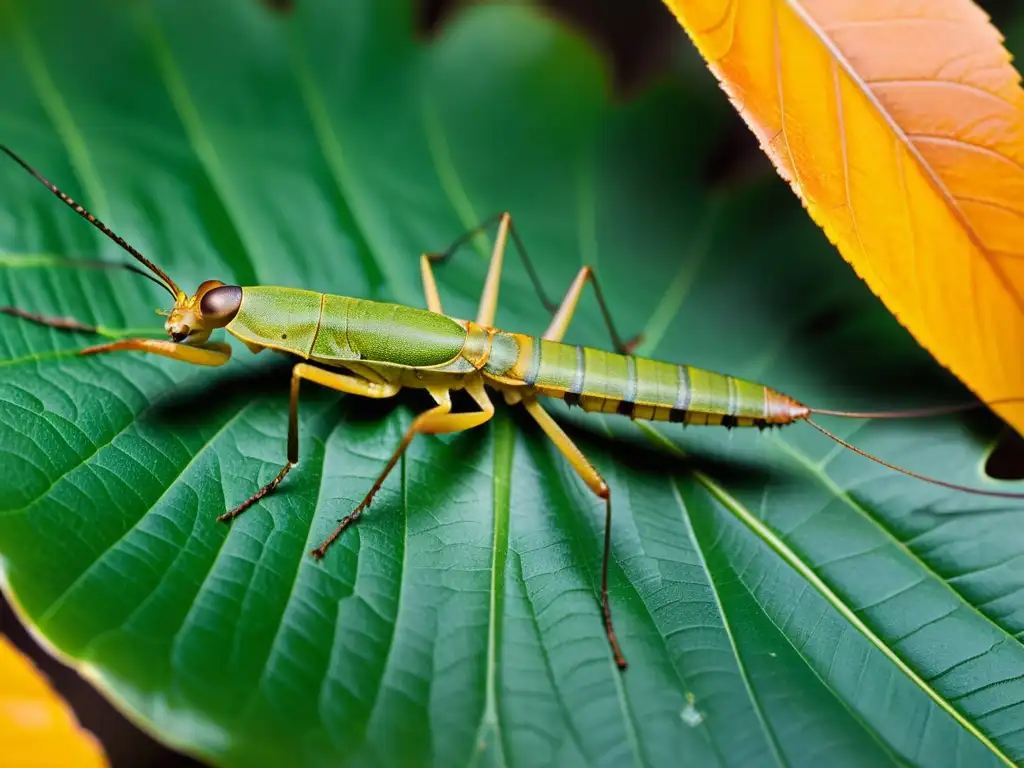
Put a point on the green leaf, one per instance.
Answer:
(780, 600)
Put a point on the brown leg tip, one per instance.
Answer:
(231, 514)
(632, 344)
(318, 553)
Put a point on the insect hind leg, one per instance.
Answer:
(600, 488)
(560, 322)
(489, 299)
(562, 313)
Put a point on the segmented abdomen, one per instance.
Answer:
(645, 389)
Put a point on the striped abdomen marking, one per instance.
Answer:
(648, 389)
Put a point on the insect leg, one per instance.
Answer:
(60, 323)
(338, 381)
(505, 223)
(568, 303)
(430, 285)
(600, 488)
(560, 322)
(210, 353)
(437, 420)
(489, 298)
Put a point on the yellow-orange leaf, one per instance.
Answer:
(36, 727)
(900, 124)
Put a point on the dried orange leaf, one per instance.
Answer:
(36, 727)
(900, 124)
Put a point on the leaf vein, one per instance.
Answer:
(741, 666)
(956, 141)
(62, 598)
(925, 82)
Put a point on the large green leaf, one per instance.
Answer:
(781, 601)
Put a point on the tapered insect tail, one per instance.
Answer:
(909, 473)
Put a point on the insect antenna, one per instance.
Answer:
(915, 413)
(932, 480)
(98, 264)
(165, 280)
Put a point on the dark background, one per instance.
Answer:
(641, 39)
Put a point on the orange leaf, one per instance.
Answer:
(900, 124)
(36, 727)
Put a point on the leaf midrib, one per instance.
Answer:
(789, 556)
(741, 665)
(846, 498)
(762, 531)
(504, 454)
(769, 537)
(940, 187)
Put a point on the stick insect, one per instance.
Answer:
(374, 349)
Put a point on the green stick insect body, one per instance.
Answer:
(375, 349)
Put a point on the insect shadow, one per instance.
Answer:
(634, 453)
(1006, 462)
(211, 392)
(202, 398)
(282, 7)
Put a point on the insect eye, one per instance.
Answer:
(219, 306)
(179, 336)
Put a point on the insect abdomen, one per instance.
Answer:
(648, 389)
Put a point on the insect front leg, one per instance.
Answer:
(209, 353)
(60, 323)
(438, 420)
(600, 488)
(338, 381)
